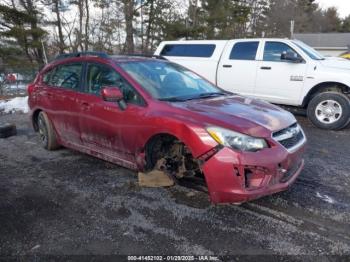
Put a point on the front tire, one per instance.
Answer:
(329, 110)
(46, 132)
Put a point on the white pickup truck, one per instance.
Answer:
(281, 71)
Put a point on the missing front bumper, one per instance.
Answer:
(234, 177)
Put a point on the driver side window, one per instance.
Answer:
(274, 50)
(99, 76)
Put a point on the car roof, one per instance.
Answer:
(62, 59)
(134, 58)
(100, 57)
(103, 55)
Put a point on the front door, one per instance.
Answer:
(279, 81)
(238, 66)
(105, 127)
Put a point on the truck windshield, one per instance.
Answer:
(312, 53)
(170, 82)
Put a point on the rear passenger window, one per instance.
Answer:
(67, 76)
(244, 51)
(191, 50)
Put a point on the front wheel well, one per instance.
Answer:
(154, 145)
(170, 153)
(325, 87)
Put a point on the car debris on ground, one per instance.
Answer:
(157, 177)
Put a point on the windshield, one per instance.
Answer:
(312, 53)
(168, 81)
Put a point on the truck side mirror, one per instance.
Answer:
(291, 57)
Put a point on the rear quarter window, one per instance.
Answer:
(189, 50)
(47, 76)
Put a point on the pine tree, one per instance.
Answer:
(20, 32)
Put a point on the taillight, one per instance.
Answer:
(30, 88)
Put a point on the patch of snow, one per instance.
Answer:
(325, 198)
(15, 104)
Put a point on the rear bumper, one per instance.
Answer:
(236, 177)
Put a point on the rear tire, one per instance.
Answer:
(329, 110)
(46, 132)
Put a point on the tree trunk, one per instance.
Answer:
(61, 44)
(80, 32)
(129, 17)
(36, 41)
(149, 27)
(87, 25)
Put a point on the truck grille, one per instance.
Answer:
(290, 136)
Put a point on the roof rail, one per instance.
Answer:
(80, 54)
(150, 56)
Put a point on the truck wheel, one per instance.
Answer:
(46, 132)
(329, 110)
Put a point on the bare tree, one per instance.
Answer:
(56, 10)
(129, 30)
(87, 21)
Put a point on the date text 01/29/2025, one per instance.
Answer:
(173, 258)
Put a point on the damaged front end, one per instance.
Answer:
(236, 176)
(231, 175)
(170, 158)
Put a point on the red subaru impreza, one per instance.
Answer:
(136, 111)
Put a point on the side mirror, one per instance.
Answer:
(113, 94)
(291, 57)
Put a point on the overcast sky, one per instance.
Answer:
(342, 5)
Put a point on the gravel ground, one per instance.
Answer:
(68, 203)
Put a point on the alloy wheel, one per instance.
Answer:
(328, 111)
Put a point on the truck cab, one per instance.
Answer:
(281, 71)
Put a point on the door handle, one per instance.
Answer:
(265, 67)
(227, 66)
(85, 106)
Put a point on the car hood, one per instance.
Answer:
(246, 115)
(336, 62)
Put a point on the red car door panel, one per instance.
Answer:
(104, 126)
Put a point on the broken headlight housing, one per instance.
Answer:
(236, 140)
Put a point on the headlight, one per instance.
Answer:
(236, 140)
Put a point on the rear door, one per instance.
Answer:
(105, 128)
(62, 89)
(279, 81)
(238, 66)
